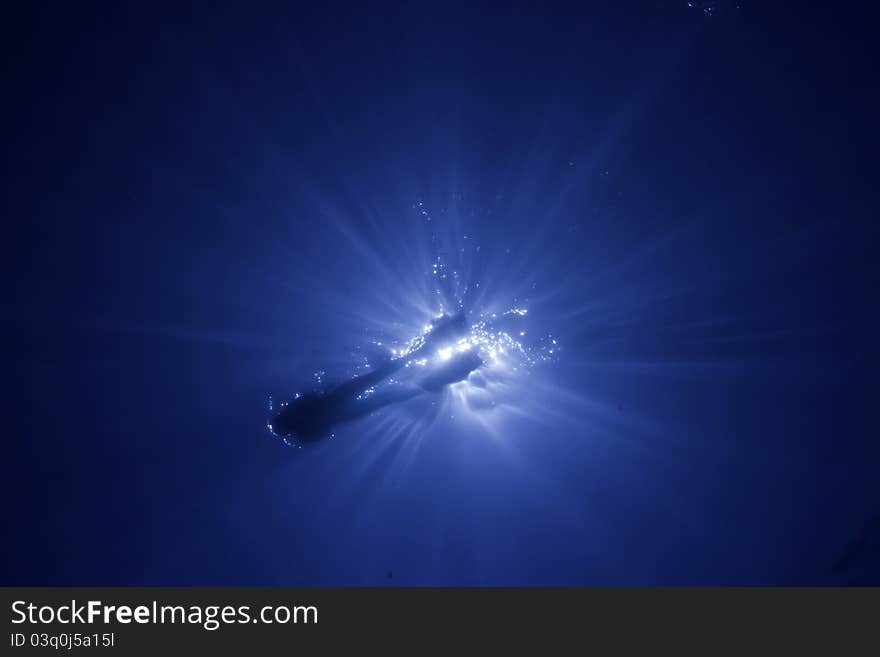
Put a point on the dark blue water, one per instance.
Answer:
(215, 205)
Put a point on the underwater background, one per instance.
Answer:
(664, 210)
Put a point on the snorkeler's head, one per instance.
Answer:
(305, 418)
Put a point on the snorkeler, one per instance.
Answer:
(312, 416)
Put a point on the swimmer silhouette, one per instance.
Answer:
(313, 416)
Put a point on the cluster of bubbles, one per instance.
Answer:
(368, 392)
(501, 339)
(712, 7)
(496, 343)
(490, 335)
(496, 346)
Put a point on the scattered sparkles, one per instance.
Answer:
(495, 334)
